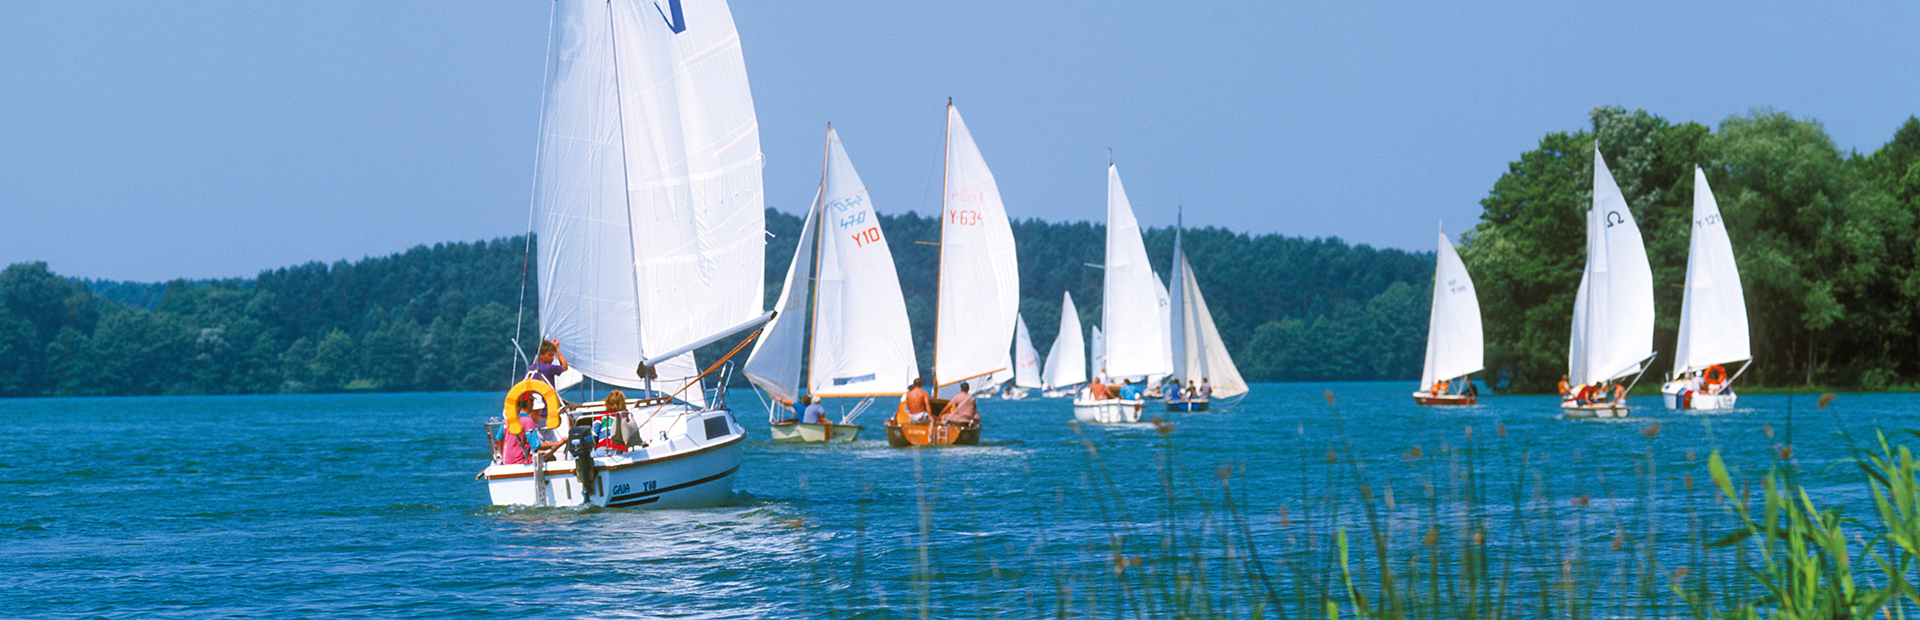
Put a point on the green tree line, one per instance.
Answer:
(1825, 240)
(445, 317)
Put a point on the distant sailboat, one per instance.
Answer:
(1612, 334)
(1200, 357)
(1026, 361)
(1713, 313)
(1455, 345)
(860, 345)
(1066, 364)
(1132, 311)
(979, 286)
(647, 204)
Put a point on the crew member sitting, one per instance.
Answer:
(915, 405)
(963, 410)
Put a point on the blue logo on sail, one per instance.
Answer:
(676, 22)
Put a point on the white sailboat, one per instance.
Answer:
(647, 203)
(1455, 345)
(1200, 357)
(1131, 311)
(1066, 365)
(860, 345)
(1713, 313)
(1612, 334)
(979, 285)
(1026, 360)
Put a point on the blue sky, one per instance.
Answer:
(148, 141)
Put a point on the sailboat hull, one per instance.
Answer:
(1429, 398)
(1680, 395)
(692, 469)
(1570, 409)
(813, 433)
(1187, 405)
(1111, 411)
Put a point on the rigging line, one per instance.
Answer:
(696, 379)
(539, 144)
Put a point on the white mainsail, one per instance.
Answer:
(862, 345)
(1065, 364)
(1713, 311)
(1026, 360)
(1455, 346)
(1198, 352)
(647, 197)
(979, 273)
(1613, 311)
(1133, 299)
(775, 363)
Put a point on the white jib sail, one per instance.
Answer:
(1199, 353)
(1713, 311)
(774, 365)
(1132, 297)
(1613, 318)
(1065, 365)
(1455, 345)
(979, 273)
(648, 192)
(1098, 343)
(862, 345)
(1026, 360)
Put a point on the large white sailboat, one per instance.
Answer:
(859, 344)
(1713, 313)
(1131, 311)
(979, 286)
(1612, 336)
(647, 204)
(1066, 364)
(1455, 345)
(1200, 358)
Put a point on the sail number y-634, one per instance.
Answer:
(963, 217)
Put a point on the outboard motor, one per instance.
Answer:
(581, 441)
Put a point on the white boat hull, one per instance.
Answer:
(1112, 411)
(692, 467)
(1679, 395)
(1570, 409)
(800, 432)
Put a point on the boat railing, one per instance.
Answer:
(717, 395)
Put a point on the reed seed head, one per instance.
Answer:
(1412, 454)
(1768, 429)
(1329, 395)
(1827, 399)
(1651, 430)
(1500, 428)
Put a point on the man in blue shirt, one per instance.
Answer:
(1130, 391)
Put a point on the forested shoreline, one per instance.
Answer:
(444, 317)
(1826, 242)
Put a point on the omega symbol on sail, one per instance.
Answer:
(675, 20)
(1614, 217)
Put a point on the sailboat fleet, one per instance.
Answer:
(648, 205)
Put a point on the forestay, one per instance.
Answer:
(979, 273)
(1132, 312)
(1455, 345)
(1713, 311)
(647, 198)
(1065, 362)
(1613, 310)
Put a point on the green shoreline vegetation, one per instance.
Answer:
(1827, 244)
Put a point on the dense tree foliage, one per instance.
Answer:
(1825, 241)
(446, 317)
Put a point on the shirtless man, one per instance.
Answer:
(916, 403)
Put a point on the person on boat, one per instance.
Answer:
(1619, 392)
(918, 407)
(1192, 392)
(791, 414)
(814, 412)
(963, 410)
(1206, 389)
(1563, 386)
(1129, 390)
(1098, 390)
(519, 448)
(1471, 389)
(1439, 388)
(543, 365)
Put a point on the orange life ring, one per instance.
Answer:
(1715, 375)
(546, 391)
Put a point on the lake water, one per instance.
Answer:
(365, 505)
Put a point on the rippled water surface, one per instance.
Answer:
(365, 505)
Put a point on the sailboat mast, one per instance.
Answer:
(946, 153)
(813, 315)
(626, 185)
